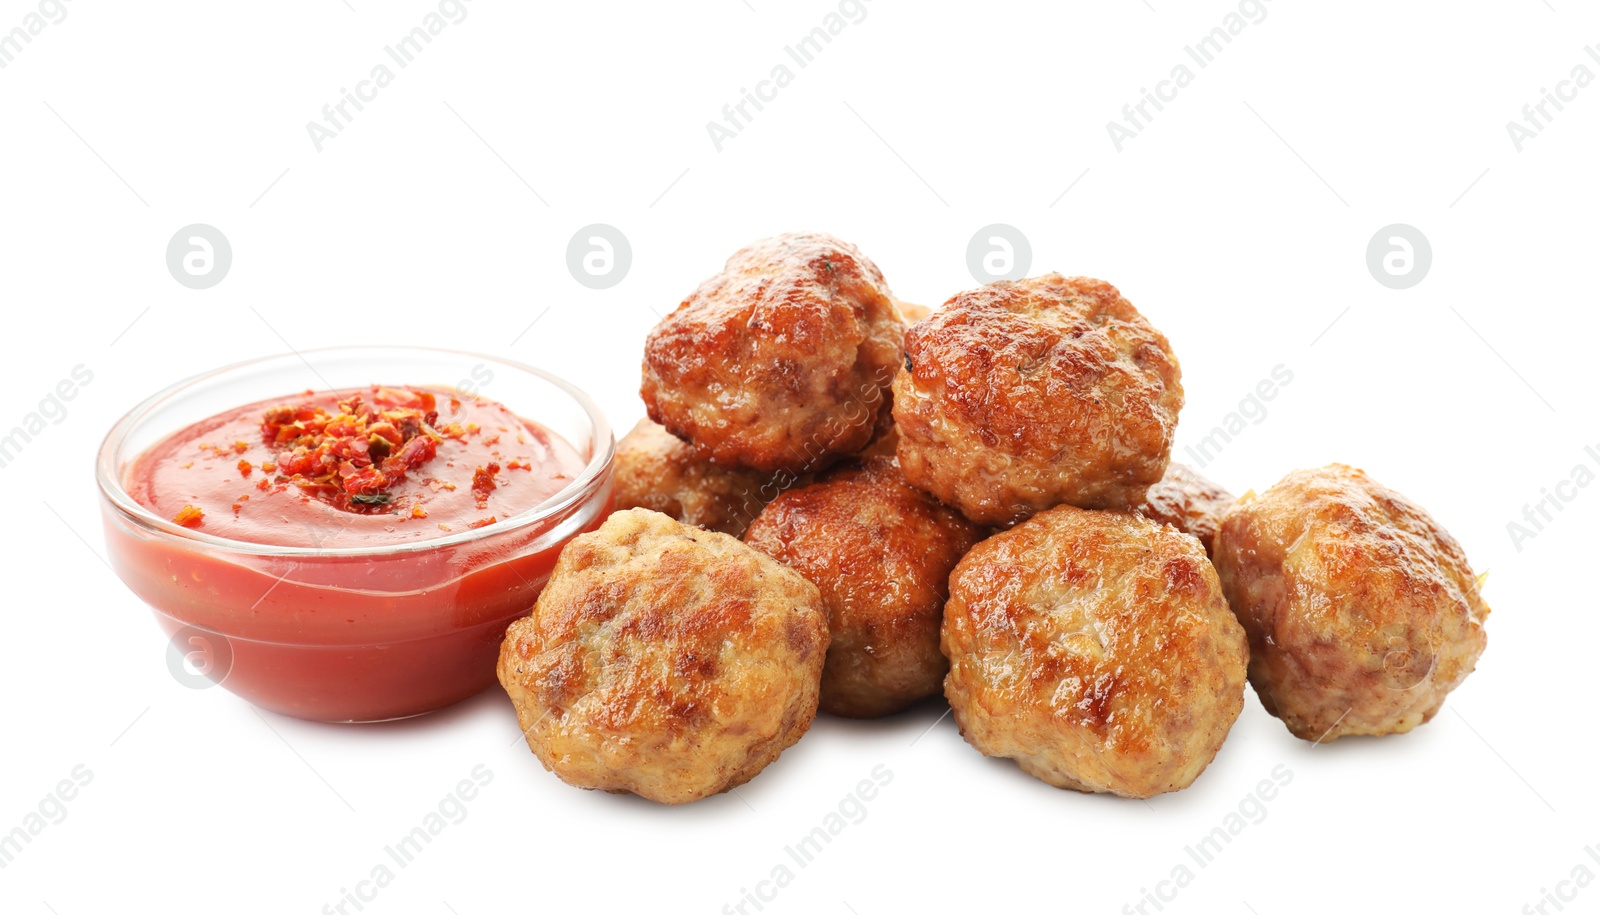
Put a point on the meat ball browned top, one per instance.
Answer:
(659, 471)
(1095, 649)
(1187, 501)
(664, 660)
(1023, 395)
(781, 361)
(1363, 613)
(880, 550)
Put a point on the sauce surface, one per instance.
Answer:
(367, 467)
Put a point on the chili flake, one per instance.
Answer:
(189, 516)
(483, 483)
(352, 458)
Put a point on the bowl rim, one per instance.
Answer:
(108, 473)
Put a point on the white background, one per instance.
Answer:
(1237, 221)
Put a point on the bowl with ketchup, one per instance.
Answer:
(344, 534)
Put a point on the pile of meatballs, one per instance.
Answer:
(841, 501)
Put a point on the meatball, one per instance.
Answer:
(881, 551)
(664, 660)
(1362, 612)
(781, 361)
(1187, 501)
(1095, 649)
(1023, 395)
(659, 471)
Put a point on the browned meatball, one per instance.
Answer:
(779, 362)
(1187, 501)
(659, 471)
(881, 551)
(1362, 612)
(1096, 650)
(664, 660)
(1023, 395)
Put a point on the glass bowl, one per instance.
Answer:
(358, 633)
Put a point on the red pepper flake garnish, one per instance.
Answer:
(483, 483)
(268, 467)
(189, 516)
(417, 512)
(352, 459)
(240, 447)
(245, 467)
(264, 485)
(186, 466)
(485, 522)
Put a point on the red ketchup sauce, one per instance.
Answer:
(395, 630)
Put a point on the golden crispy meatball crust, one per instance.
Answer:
(881, 552)
(1362, 612)
(1095, 649)
(664, 660)
(1023, 395)
(779, 362)
(1187, 501)
(659, 471)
